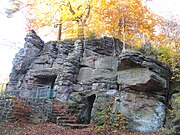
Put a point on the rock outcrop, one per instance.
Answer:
(91, 73)
(173, 116)
(143, 85)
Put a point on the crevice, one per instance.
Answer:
(84, 66)
(85, 116)
(167, 105)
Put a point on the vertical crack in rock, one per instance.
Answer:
(68, 77)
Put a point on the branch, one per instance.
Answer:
(87, 14)
(70, 8)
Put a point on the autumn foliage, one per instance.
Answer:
(22, 111)
(127, 19)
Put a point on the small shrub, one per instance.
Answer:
(73, 108)
(109, 121)
(2, 89)
(22, 111)
(92, 35)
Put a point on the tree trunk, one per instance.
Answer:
(59, 32)
(123, 32)
(80, 30)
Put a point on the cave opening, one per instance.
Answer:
(44, 86)
(85, 117)
(46, 80)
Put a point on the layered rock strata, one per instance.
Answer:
(91, 73)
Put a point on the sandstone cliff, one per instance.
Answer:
(91, 73)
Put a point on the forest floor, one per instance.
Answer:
(7, 128)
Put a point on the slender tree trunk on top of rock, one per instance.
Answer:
(59, 32)
(123, 32)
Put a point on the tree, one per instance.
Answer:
(167, 42)
(64, 14)
(128, 20)
(124, 19)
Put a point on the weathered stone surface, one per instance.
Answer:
(135, 60)
(109, 63)
(85, 74)
(145, 114)
(33, 38)
(88, 62)
(88, 74)
(31, 49)
(143, 84)
(175, 104)
(76, 97)
(104, 74)
(173, 118)
(46, 58)
(90, 53)
(24, 58)
(102, 98)
(142, 78)
(104, 46)
(92, 73)
(63, 93)
(44, 72)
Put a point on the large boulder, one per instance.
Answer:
(144, 113)
(143, 85)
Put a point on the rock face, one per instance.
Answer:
(143, 86)
(91, 73)
(173, 118)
